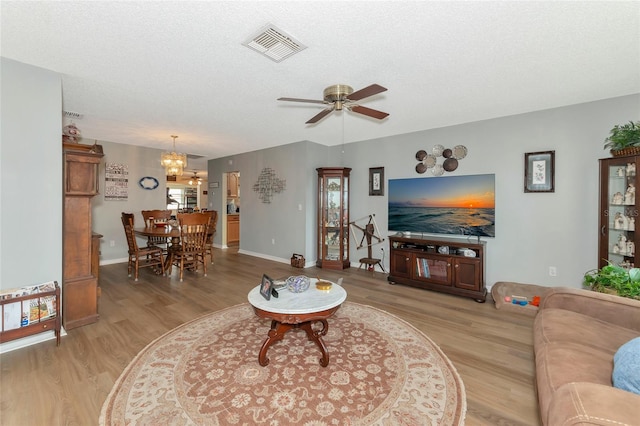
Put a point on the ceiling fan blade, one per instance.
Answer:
(313, 101)
(374, 89)
(320, 115)
(368, 111)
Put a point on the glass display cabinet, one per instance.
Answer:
(618, 238)
(333, 217)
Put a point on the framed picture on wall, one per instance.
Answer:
(376, 181)
(539, 171)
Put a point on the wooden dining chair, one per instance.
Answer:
(193, 238)
(140, 257)
(158, 216)
(213, 220)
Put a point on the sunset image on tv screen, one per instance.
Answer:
(462, 205)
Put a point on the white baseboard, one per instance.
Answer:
(264, 256)
(30, 340)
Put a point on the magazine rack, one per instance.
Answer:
(38, 319)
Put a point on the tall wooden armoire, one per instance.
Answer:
(80, 289)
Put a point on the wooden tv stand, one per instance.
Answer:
(439, 264)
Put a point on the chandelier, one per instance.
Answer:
(173, 162)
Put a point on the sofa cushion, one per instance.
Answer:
(626, 366)
(559, 325)
(592, 404)
(560, 363)
(572, 362)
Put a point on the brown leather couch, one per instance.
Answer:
(576, 334)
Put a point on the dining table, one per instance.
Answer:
(166, 231)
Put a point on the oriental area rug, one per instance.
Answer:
(382, 371)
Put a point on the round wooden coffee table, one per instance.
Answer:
(297, 310)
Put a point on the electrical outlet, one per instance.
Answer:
(553, 272)
(112, 243)
(273, 241)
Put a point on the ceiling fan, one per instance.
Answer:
(341, 96)
(195, 179)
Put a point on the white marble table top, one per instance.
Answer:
(287, 302)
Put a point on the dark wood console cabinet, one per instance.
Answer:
(80, 289)
(448, 265)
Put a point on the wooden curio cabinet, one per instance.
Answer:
(80, 289)
(333, 217)
(618, 238)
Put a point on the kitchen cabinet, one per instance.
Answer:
(233, 228)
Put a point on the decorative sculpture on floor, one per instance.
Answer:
(370, 232)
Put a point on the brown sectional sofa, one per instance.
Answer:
(576, 334)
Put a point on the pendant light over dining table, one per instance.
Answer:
(173, 162)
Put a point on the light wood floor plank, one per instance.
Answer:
(44, 385)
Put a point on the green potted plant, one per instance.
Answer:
(624, 138)
(614, 279)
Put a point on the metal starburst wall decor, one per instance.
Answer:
(268, 184)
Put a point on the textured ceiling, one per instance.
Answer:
(141, 71)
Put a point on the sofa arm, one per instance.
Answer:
(620, 311)
(581, 403)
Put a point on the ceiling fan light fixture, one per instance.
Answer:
(342, 96)
(173, 162)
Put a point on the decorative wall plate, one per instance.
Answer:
(148, 182)
(459, 152)
(429, 161)
(450, 164)
(437, 150)
(421, 154)
(447, 153)
(421, 168)
(437, 170)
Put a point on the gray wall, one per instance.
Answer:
(30, 175)
(290, 217)
(106, 214)
(533, 230)
(30, 181)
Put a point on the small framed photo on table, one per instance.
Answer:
(266, 286)
(376, 181)
(539, 170)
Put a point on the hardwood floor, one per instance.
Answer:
(44, 385)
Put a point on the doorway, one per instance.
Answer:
(233, 208)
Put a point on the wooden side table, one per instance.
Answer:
(297, 310)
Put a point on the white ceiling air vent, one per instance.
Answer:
(274, 43)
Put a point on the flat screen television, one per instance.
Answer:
(461, 205)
